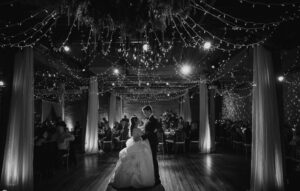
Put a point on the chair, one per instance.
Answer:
(107, 142)
(194, 142)
(179, 141)
(65, 158)
(247, 148)
(161, 143)
(247, 142)
(170, 141)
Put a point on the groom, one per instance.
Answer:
(151, 128)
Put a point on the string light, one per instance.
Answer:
(280, 78)
(146, 47)
(236, 107)
(66, 48)
(207, 45)
(146, 59)
(291, 100)
(2, 84)
(116, 71)
(282, 4)
(21, 23)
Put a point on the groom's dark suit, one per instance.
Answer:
(151, 129)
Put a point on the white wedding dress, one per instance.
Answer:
(135, 165)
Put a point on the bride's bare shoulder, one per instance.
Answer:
(137, 130)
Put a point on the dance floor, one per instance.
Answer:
(190, 172)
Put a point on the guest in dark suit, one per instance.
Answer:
(124, 130)
(125, 119)
(152, 126)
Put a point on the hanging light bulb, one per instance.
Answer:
(280, 78)
(66, 48)
(186, 69)
(2, 83)
(146, 47)
(116, 71)
(207, 45)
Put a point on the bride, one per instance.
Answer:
(135, 165)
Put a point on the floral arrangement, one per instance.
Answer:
(170, 119)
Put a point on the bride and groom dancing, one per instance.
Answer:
(137, 166)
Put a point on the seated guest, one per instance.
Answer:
(115, 129)
(107, 132)
(194, 132)
(104, 120)
(180, 124)
(63, 139)
(41, 138)
(101, 130)
(106, 136)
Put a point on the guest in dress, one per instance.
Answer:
(63, 139)
(39, 153)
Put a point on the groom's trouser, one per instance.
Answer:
(155, 163)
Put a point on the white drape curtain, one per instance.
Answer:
(266, 163)
(47, 108)
(185, 107)
(112, 109)
(91, 135)
(62, 101)
(212, 115)
(17, 169)
(119, 109)
(205, 141)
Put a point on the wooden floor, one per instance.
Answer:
(192, 172)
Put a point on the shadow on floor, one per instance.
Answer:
(156, 188)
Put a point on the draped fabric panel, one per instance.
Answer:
(50, 110)
(185, 107)
(91, 134)
(112, 109)
(17, 170)
(205, 141)
(62, 101)
(212, 115)
(267, 162)
(119, 109)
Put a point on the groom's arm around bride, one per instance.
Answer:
(151, 128)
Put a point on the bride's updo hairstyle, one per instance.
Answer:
(133, 122)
